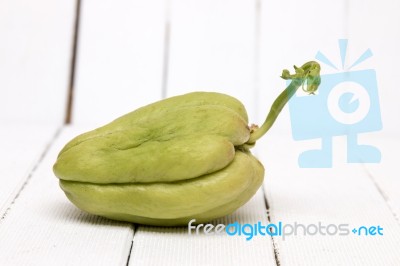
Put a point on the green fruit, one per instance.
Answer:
(182, 158)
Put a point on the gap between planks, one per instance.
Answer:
(133, 228)
(274, 244)
(70, 94)
(31, 172)
(381, 192)
(166, 47)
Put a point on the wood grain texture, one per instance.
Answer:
(21, 149)
(212, 48)
(119, 60)
(385, 174)
(174, 246)
(44, 228)
(35, 53)
(343, 194)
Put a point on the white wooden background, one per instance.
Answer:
(132, 52)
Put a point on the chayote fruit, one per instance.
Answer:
(186, 157)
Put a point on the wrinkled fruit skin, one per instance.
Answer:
(165, 163)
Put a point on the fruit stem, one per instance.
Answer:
(308, 73)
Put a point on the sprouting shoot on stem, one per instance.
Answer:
(307, 76)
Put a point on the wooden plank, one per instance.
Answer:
(21, 149)
(35, 53)
(44, 228)
(119, 60)
(212, 48)
(343, 194)
(174, 246)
